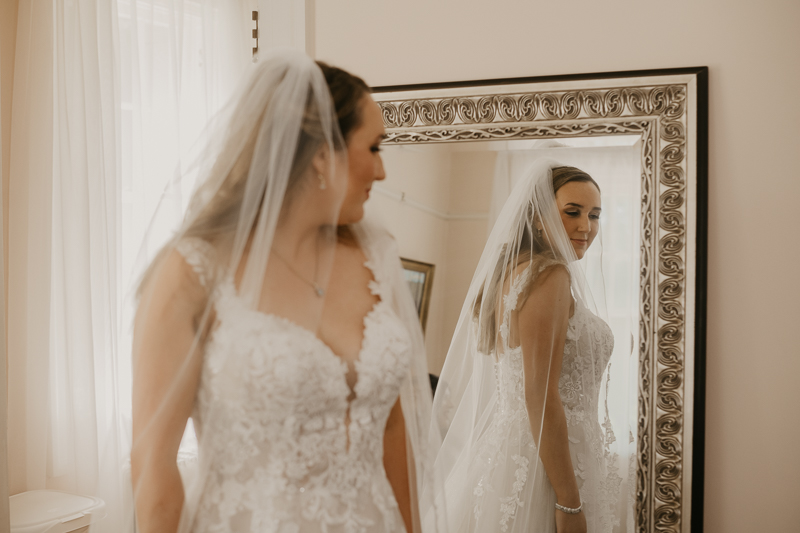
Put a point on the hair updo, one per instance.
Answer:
(347, 91)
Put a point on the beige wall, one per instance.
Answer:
(8, 37)
(470, 193)
(454, 185)
(8, 32)
(422, 176)
(752, 464)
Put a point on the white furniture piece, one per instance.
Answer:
(52, 511)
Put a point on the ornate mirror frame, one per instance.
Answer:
(668, 109)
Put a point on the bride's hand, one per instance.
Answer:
(570, 523)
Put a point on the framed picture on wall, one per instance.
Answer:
(419, 276)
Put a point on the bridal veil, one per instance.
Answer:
(491, 417)
(270, 176)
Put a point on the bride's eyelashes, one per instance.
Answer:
(377, 147)
(575, 214)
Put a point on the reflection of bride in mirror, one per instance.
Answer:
(521, 397)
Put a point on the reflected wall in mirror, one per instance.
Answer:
(452, 154)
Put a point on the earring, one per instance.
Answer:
(322, 184)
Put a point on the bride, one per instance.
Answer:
(280, 322)
(524, 449)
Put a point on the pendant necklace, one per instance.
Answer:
(319, 291)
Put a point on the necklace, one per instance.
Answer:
(320, 292)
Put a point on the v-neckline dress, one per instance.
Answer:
(276, 449)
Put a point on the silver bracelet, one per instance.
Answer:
(570, 510)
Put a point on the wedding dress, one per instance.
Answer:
(285, 445)
(507, 445)
(291, 453)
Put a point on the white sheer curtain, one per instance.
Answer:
(85, 227)
(107, 97)
(179, 62)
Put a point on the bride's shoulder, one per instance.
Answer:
(172, 286)
(200, 256)
(543, 274)
(538, 268)
(183, 271)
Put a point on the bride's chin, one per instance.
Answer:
(351, 216)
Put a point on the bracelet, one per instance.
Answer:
(570, 510)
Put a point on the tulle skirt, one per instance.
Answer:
(500, 484)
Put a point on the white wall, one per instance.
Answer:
(752, 431)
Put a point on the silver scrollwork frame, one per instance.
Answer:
(668, 109)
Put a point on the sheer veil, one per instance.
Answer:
(269, 178)
(489, 457)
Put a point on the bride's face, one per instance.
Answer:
(364, 160)
(579, 206)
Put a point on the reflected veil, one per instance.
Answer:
(259, 230)
(490, 405)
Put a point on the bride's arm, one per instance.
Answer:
(396, 464)
(543, 321)
(165, 381)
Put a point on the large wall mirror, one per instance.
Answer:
(452, 154)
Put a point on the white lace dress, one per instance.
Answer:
(280, 456)
(510, 491)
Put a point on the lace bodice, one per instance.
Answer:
(587, 351)
(508, 440)
(272, 416)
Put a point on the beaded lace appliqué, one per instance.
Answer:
(579, 384)
(271, 413)
(509, 504)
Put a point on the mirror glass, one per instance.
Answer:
(441, 200)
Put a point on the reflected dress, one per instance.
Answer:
(508, 489)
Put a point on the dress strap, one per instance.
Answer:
(200, 255)
(518, 284)
(511, 299)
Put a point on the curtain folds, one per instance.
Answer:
(108, 97)
(85, 244)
